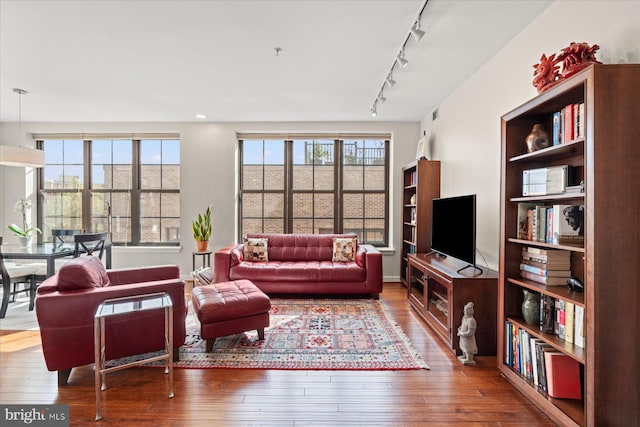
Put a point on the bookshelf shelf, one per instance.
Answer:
(565, 247)
(557, 151)
(550, 197)
(420, 185)
(607, 160)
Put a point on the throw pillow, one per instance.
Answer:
(256, 250)
(344, 249)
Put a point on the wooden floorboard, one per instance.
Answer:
(448, 394)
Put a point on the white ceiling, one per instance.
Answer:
(106, 61)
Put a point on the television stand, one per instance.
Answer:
(438, 291)
(471, 265)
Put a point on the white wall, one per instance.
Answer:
(466, 135)
(208, 176)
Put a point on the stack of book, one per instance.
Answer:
(551, 267)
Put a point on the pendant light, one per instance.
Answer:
(18, 155)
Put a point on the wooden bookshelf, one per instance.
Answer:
(607, 160)
(420, 185)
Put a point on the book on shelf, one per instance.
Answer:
(548, 265)
(563, 376)
(541, 349)
(524, 217)
(567, 133)
(568, 321)
(578, 326)
(548, 252)
(534, 343)
(544, 272)
(549, 281)
(556, 137)
(547, 313)
(560, 304)
(568, 224)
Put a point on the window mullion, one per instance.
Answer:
(135, 193)
(86, 188)
(288, 187)
(338, 209)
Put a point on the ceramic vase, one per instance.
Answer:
(531, 307)
(537, 139)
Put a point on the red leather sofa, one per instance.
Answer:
(67, 302)
(302, 264)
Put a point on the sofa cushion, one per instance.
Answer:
(344, 249)
(82, 273)
(256, 249)
(297, 271)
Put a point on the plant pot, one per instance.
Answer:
(202, 246)
(25, 242)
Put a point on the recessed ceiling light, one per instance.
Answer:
(200, 116)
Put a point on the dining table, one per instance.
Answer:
(42, 251)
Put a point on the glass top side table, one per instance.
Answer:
(119, 306)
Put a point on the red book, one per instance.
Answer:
(563, 376)
(567, 135)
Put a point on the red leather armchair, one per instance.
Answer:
(67, 302)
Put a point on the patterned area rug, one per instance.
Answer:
(315, 334)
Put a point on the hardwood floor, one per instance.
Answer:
(449, 394)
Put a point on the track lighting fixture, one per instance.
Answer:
(401, 59)
(418, 33)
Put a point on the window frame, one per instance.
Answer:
(338, 188)
(135, 190)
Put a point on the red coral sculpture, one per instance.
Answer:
(577, 56)
(547, 73)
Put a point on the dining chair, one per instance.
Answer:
(61, 235)
(88, 243)
(14, 274)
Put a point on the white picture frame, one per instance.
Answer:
(421, 152)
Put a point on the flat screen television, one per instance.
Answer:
(454, 228)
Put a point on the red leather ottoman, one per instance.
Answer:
(227, 308)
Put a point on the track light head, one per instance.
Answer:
(416, 31)
(381, 98)
(390, 81)
(401, 59)
(374, 111)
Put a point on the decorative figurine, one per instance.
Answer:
(577, 56)
(574, 58)
(467, 334)
(546, 73)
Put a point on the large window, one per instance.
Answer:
(128, 187)
(323, 185)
